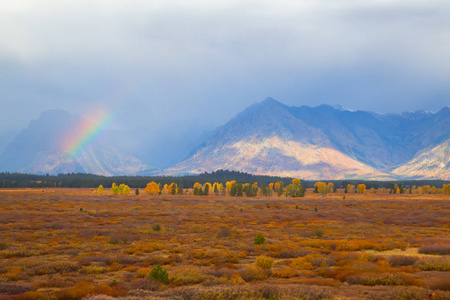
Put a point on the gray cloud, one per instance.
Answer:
(201, 62)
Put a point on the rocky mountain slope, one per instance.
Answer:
(325, 143)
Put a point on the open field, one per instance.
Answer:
(73, 243)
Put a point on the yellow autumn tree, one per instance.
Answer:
(221, 189)
(396, 189)
(361, 188)
(207, 188)
(330, 187)
(172, 188)
(229, 184)
(350, 188)
(446, 189)
(277, 186)
(217, 188)
(114, 189)
(152, 188)
(125, 189)
(100, 189)
(164, 189)
(321, 187)
(419, 190)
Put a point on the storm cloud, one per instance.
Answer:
(166, 65)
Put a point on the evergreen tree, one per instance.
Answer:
(240, 189)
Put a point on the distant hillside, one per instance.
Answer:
(39, 149)
(324, 143)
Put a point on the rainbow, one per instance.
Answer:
(87, 133)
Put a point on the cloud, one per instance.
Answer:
(187, 59)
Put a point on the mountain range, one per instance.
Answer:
(269, 138)
(41, 149)
(325, 142)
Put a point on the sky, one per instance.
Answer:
(173, 67)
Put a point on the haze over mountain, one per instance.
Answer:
(326, 143)
(43, 148)
(270, 138)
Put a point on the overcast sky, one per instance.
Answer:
(195, 64)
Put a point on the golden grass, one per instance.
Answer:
(72, 243)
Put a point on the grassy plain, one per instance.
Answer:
(74, 244)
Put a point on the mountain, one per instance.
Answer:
(434, 162)
(42, 148)
(267, 138)
(325, 143)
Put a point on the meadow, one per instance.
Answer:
(77, 244)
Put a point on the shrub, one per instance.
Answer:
(120, 238)
(434, 264)
(442, 284)
(80, 290)
(131, 268)
(115, 266)
(33, 296)
(224, 232)
(144, 284)
(294, 253)
(383, 279)
(236, 279)
(285, 273)
(252, 273)
(435, 249)
(402, 260)
(259, 239)
(15, 288)
(93, 270)
(13, 273)
(3, 246)
(188, 276)
(264, 262)
(304, 263)
(59, 267)
(144, 272)
(159, 274)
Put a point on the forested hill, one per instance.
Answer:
(18, 180)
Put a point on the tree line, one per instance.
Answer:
(82, 180)
(295, 189)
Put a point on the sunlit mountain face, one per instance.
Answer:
(325, 142)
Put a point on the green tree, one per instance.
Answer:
(206, 190)
(159, 274)
(216, 189)
(259, 239)
(240, 189)
(233, 189)
(264, 190)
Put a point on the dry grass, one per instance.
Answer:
(73, 243)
